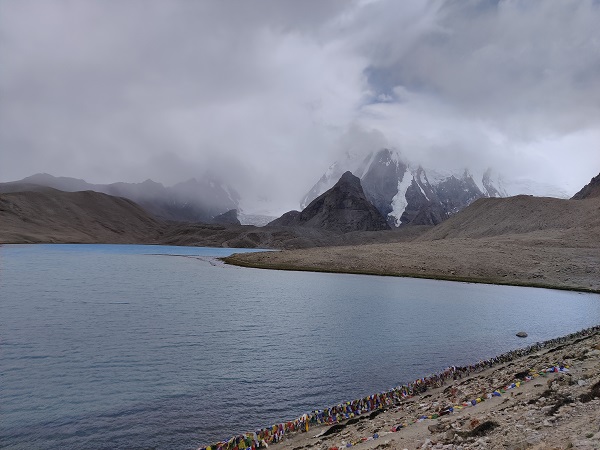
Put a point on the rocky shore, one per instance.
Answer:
(541, 397)
(544, 396)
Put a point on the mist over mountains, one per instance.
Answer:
(402, 191)
(341, 216)
(195, 200)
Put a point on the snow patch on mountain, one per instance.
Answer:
(399, 202)
(422, 191)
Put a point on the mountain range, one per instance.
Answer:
(406, 193)
(403, 192)
(33, 213)
(190, 201)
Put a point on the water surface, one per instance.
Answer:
(109, 346)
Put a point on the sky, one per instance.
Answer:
(265, 95)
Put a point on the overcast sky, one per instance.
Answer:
(268, 93)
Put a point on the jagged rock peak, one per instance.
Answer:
(348, 177)
(592, 189)
(343, 208)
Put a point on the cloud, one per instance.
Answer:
(526, 67)
(500, 83)
(269, 92)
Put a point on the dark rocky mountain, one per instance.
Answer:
(227, 218)
(190, 201)
(288, 219)
(590, 190)
(343, 208)
(49, 215)
(431, 204)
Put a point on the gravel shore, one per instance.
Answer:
(548, 399)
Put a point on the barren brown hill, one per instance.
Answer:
(49, 215)
(489, 217)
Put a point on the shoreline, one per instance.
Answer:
(234, 261)
(350, 413)
(550, 261)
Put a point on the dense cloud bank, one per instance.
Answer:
(267, 94)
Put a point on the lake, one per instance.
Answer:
(121, 346)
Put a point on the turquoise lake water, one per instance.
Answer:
(117, 346)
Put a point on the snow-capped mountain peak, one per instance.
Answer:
(408, 193)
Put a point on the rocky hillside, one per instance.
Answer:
(592, 189)
(343, 208)
(190, 201)
(49, 215)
